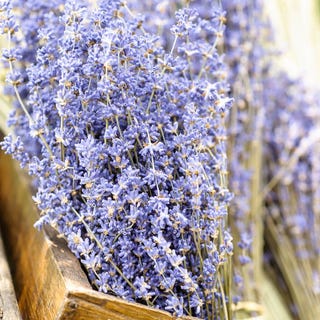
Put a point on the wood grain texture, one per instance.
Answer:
(38, 282)
(49, 281)
(8, 304)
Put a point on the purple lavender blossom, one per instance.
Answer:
(132, 162)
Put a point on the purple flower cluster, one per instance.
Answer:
(37, 16)
(130, 160)
(246, 65)
(292, 191)
(248, 57)
(274, 122)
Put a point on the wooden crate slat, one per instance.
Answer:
(39, 286)
(8, 304)
(110, 308)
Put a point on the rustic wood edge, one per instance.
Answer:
(90, 303)
(9, 309)
(40, 290)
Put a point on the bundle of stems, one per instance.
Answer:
(292, 182)
(246, 31)
(271, 133)
(293, 227)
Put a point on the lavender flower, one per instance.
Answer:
(131, 163)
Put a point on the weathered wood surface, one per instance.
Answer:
(49, 281)
(8, 304)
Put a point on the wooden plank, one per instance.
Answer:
(39, 286)
(91, 305)
(8, 304)
(50, 283)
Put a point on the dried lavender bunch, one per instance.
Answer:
(245, 67)
(292, 191)
(247, 39)
(132, 166)
(274, 121)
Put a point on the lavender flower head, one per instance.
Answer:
(131, 164)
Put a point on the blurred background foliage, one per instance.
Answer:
(296, 27)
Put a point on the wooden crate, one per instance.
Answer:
(8, 304)
(49, 281)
